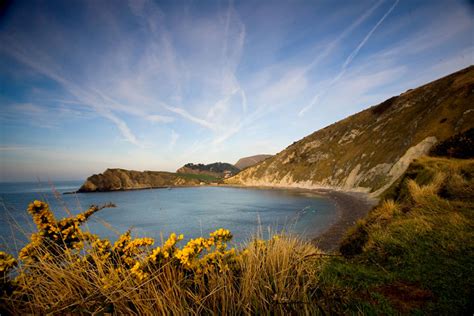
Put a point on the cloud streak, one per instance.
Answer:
(349, 59)
(84, 96)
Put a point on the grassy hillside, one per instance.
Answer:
(415, 251)
(368, 151)
(206, 178)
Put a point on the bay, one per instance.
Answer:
(192, 211)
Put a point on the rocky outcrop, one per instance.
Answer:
(250, 161)
(121, 179)
(368, 151)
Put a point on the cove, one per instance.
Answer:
(192, 211)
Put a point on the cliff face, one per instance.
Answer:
(250, 161)
(120, 179)
(368, 151)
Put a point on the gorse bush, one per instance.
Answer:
(67, 270)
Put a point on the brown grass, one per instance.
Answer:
(278, 276)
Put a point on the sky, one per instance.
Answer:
(152, 85)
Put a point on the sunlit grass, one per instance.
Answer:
(415, 251)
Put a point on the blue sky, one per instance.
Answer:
(151, 85)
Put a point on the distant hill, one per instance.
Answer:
(217, 169)
(368, 151)
(250, 161)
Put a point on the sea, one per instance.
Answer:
(192, 211)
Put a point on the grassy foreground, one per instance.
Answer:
(412, 254)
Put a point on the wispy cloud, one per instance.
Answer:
(337, 41)
(349, 59)
(160, 56)
(98, 102)
(367, 37)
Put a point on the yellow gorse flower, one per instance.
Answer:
(126, 256)
(7, 262)
(55, 236)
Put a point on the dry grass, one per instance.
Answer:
(279, 276)
(423, 239)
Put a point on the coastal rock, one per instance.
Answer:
(121, 179)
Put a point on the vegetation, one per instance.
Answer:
(66, 270)
(217, 167)
(458, 146)
(413, 254)
(207, 178)
(246, 162)
(121, 179)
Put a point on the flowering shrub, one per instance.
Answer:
(64, 264)
(135, 256)
(66, 237)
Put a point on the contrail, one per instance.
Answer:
(330, 47)
(348, 60)
(356, 51)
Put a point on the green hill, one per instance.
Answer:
(216, 169)
(370, 150)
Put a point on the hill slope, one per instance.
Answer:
(217, 169)
(368, 151)
(250, 161)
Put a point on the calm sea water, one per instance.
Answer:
(193, 211)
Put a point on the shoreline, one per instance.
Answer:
(350, 206)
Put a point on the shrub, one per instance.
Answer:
(66, 270)
(458, 146)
